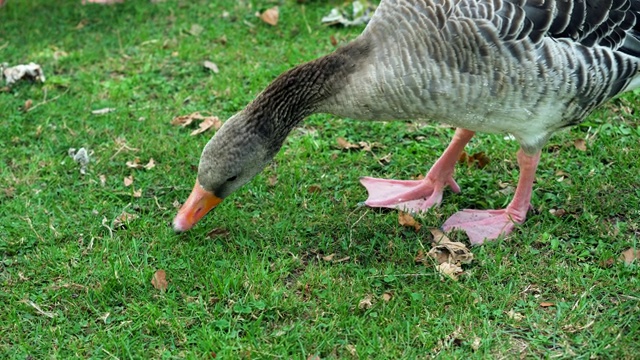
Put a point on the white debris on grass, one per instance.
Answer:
(81, 156)
(361, 14)
(30, 71)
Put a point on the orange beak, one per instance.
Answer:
(199, 203)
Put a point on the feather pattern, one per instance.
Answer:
(525, 67)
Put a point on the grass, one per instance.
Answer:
(71, 287)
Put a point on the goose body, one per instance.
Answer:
(523, 67)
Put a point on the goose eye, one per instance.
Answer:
(232, 178)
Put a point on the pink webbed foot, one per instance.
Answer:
(406, 195)
(419, 195)
(481, 225)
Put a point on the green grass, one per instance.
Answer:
(262, 290)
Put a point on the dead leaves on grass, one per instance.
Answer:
(135, 164)
(344, 144)
(159, 280)
(480, 160)
(206, 122)
(271, 16)
(448, 255)
(405, 219)
(630, 255)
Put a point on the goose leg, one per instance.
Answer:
(481, 225)
(419, 195)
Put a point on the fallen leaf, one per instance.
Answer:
(328, 257)
(630, 255)
(314, 189)
(137, 193)
(558, 212)
(445, 250)
(580, 144)
(135, 164)
(270, 16)
(480, 160)
(333, 41)
(211, 66)
(217, 232)
(159, 280)
(405, 219)
(344, 144)
(176, 204)
(365, 303)
(196, 30)
(103, 111)
(451, 270)
(128, 181)
(272, 180)
(547, 304)
(208, 123)
(123, 219)
(515, 316)
(27, 105)
(386, 297)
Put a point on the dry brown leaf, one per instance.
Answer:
(547, 304)
(580, 144)
(405, 219)
(27, 105)
(451, 270)
(365, 303)
(385, 159)
(480, 160)
(208, 123)
(271, 16)
(217, 232)
(387, 296)
(344, 144)
(272, 180)
(333, 41)
(314, 189)
(630, 255)
(185, 120)
(328, 257)
(135, 164)
(159, 280)
(123, 219)
(137, 193)
(128, 180)
(211, 66)
(558, 212)
(445, 250)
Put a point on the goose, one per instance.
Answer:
(527, 68)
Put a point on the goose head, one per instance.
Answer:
(233, 156)
(249, 140)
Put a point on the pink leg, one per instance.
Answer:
(481, 225)
(419, 195)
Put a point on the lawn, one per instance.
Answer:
(291, 266)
